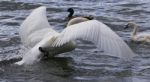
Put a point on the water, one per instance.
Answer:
(83, 64)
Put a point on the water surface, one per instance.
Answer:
(84, 64)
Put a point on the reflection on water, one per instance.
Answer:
(85, 64)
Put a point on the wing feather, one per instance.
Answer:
(35, 27)
(100, 34)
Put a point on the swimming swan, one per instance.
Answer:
(37, 35)
(138, 37)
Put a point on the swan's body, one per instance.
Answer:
(35, 32)
(142, 37)
(138, 37)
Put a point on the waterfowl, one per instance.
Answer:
(71, 12)
(38, 36)
(138, 37)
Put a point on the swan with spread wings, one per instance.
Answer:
(38, 36)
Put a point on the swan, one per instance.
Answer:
(38, 36)
(71, 12)
(138, 37)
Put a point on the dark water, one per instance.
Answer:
(83, 64)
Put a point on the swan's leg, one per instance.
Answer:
(44, 52)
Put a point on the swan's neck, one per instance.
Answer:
(135, 30)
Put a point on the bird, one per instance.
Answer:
(136, 36)
(38, 36)
(71, 13)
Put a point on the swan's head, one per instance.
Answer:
(79, 20)
(130, 25)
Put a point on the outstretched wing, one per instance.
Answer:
(100, 34)
(35, 27)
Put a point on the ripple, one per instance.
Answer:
(15, 6)
(87, 64)
(132, 4)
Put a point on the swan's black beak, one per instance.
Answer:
(126, 27)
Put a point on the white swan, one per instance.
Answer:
(38, 36)
(138, 37)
